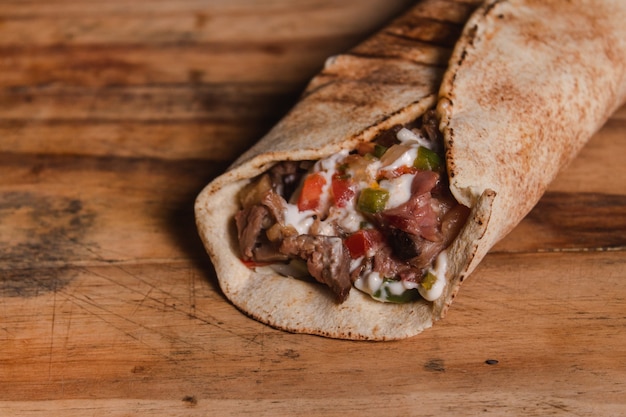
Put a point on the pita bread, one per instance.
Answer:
(518, 95)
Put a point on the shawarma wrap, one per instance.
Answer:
(499, 97)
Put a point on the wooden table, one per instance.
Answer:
(113, 116)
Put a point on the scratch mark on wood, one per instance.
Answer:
(205, 319)
(69, 324)
(141, 302)
(562, 407)
(80, 303)
(54, 307)
(86, 302)
(192, 294)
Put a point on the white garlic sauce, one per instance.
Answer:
(399, 190)
(300, 220)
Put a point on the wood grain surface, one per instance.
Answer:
(114, 115)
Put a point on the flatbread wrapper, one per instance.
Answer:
(519, 87)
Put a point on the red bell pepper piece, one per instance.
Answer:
(311, 193)
(360, 242)
(342, 190)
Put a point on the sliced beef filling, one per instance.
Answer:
(415, 230)
(327, 259)
(411, 235)
(263, 236)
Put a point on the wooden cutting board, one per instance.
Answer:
(114, 115)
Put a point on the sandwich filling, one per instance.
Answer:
(377, 218)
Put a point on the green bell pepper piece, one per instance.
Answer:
(379, 150)
(427, 160)
(372, 200)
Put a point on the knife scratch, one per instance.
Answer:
(54, 307)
